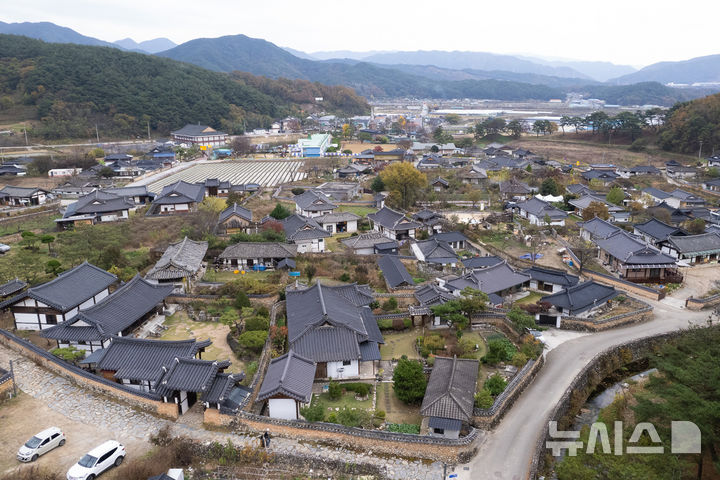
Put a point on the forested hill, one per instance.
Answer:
(689, 124)
(260, 57)
(73, 87)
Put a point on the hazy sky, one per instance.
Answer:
(635, 32)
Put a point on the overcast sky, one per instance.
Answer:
(635, 32)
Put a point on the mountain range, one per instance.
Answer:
(428, 74)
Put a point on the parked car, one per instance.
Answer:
(97, 460)
(40, 444)
(4, 248)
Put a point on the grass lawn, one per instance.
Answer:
(399, 344)
(395, 410)
(346, 400)
(43, 222)
(360, 210)
(532, 298)
(479, 353)
(182, 328)
(333, 244)
(224, 276)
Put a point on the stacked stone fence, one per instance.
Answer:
(249, 402)
(144, 400)
(7, 384)
(692, 303)
(396, 294)
(518, 262)
(498, 319)
(630, 287)
(642, 313)
(397, 444)
(490, 417)
(580, 389)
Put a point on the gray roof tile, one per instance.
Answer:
(451, 389)
(290, 375)
(259, 250)
(181, 259)
(394, 271)
(581, 297)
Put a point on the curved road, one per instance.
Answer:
(507, 450)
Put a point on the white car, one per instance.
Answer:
(4, 248)
(40, 444)
(97, 460)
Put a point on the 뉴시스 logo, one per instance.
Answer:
(684, 438)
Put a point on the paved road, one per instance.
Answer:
(506, 451)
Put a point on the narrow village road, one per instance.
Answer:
(507, 450)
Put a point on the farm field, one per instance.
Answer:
(265, 173)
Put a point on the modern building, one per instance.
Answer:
(315, 145)
(201, 135)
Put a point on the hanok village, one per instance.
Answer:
(312, 298)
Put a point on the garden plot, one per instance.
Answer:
(264, 173)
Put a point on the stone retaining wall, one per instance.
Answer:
(85, 379)
(585, 383)
(700, 303)
(630, 287)
(489, 418)
(395, 444)
(643, 313)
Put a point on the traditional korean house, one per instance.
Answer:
(394, 272)
(313, 204)
(60, 299)
(550, 280)
(695, 249)
(655, 232)
(580, 300)
(287, 385)
(636, 261)
(117, 315)
(431, 221)
(338, 222)
(23, 196)
(96, 207)
(370, 243)
(178, 198)
(393, 224)
(435, 252)
(450, 396)
(541, 213)
(256, 255)
(306, 233)
(236, 219)
(180, 264)
(334, 327)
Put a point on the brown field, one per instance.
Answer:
(568, 149)
(358, 147)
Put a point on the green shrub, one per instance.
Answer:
(297, 190)
(380, 414)
(360, 389)
(430, 360)
(257, 323)
(390, 304)
(407, 322)
(315, 412)
(354, 418)
(385, 323)
(251, 369)
(409, 381)
(521, 318)
(334, 390)
(253, 340)
(332, 418)
(484, 399)
(519, 359)
(69, 354)
(280, 320)
(495, 384)
(403, 428)
(345, 277)
(241, 300)
(499, 350)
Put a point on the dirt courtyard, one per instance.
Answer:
(23, 416)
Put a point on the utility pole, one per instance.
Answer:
(26, 140)
(700, 152)
(97, 134)
(148, 125)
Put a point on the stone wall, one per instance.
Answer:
(489, 418)
(85, 379)
(375, 441)
(585, 383)
(630, 287)
(642, 313)
(498, 319)
(700, 303)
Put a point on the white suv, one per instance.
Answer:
(97, 460)
(40, 444)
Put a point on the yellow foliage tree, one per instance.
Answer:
(213, 204)
(405, 183)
